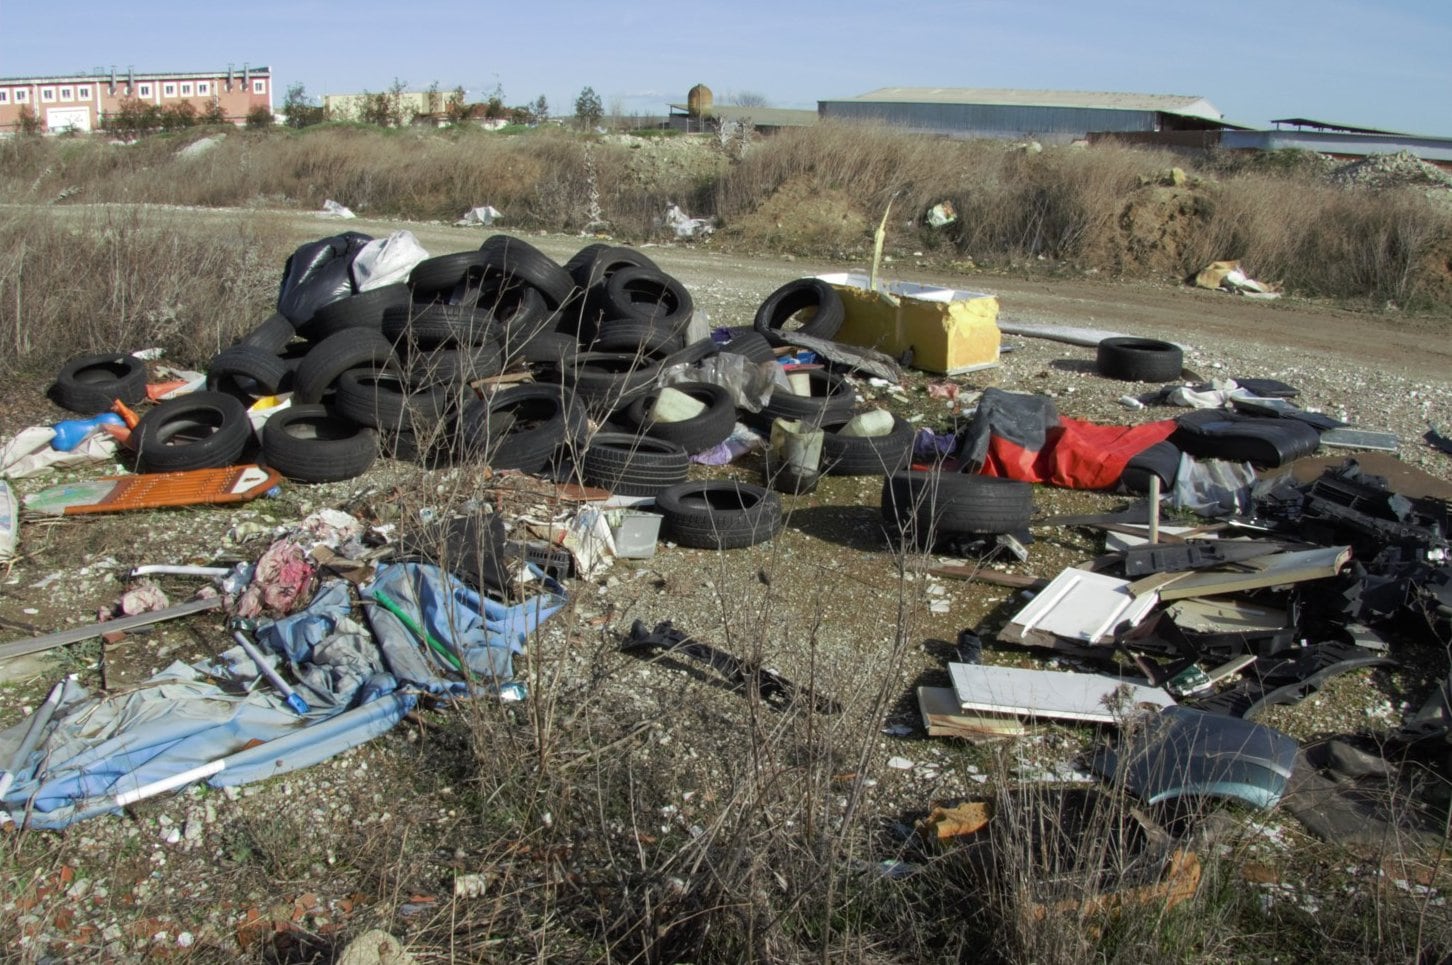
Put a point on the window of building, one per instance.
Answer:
(259, 87)
(21, 95)
(83, 93)
(144, 90)
(67, 94)
(203, 88)
(186, 90)
(47, 93)
(168, 90)
(4, 97)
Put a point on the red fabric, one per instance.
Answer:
(1076, 455)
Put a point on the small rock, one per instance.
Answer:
(375, 947)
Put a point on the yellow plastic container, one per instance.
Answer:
(949, 330)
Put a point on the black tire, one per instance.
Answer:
(247, 373)
(520, 315)
(697, 434)
(719, 514)
(336, 354)
(200, 430)
(454, 367)
(630, 465)
(697, 351)
(594, 264)
(750, 343)
(90, 384)
(442, 274)
(1139, 360)
(436, 325)
(649, 295)
(795, 296)
(522, 427)
(363, 310)
(634, 335)
(603, 381)
(867, 455)
(550, 348)
(404, 446)
(924, 507)
(523, 262)
(831, 400)
(271, 336)
(383, 400)
(309, 443)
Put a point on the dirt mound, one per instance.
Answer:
(1402, 169)
(801, 217)
(1156, 228)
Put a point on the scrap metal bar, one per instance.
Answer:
(19, 648)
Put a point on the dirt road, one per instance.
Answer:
(729, 286)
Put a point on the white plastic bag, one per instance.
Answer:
(1213, 487)
(386, 261)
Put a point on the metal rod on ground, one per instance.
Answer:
(19, 648)
(42, 716)
(291, 696)
(1154, 508)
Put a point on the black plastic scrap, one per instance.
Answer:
(1288, 677)
(741, 675)
(1400, 545)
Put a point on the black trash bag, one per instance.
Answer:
(317, 274)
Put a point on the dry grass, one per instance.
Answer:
(814, 191)
(99, 280)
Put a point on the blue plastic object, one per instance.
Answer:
(70, 433)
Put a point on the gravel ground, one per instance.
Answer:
(377, 836)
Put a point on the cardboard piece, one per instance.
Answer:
(949, 330)
(1096, 698)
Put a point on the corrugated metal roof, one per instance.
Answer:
(1333, 126)
(140, 74)
(1167, 103)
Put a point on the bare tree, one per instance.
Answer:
(747, 98)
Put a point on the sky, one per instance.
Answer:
(1372, 63)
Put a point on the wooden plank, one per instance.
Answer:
(943, 716)
(977, 574)
(1277, 569)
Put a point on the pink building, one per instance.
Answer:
(81, 102)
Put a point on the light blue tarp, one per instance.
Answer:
(358, 685)
(100, 746)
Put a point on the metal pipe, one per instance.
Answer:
(290, 696)
(38, 720)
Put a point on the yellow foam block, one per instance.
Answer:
(949, 330)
